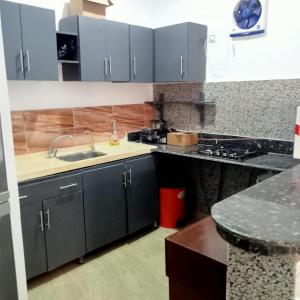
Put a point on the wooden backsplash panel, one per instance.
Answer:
(34, 130)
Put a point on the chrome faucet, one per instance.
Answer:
(53, 151)
(92, 145)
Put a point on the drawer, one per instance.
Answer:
(49, 188)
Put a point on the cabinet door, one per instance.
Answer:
(33, 239)
(171, 53)
(142, 200)
(105, 205)
(64, 227)
(141, 53)
(39, 43)
(12, 40)
(117, 49)
(92, 49)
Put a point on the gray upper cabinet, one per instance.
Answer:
(104, 49)
(179, 53)
(117, 49)
(12, 37)
(141, 54)
(39, 43)
(29, 37)
(92, 49)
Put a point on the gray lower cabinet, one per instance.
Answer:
(141, 54)
(34, 239)
(105, 205)
(64, 227)
(29, 37)
(179, 53)
(104, 49)
(65, 216)
(52, 218)
(142, 199)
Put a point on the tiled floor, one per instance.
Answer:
(131, 271)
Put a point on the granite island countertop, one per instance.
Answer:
(270, 161)
(265, 218)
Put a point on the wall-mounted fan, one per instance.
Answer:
(250, 18)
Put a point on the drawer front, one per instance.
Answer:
(49, 188)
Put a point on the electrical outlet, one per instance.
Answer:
(212, 39)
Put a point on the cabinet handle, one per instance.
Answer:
(47, 213)
(48, 219)
(110, 66)
(105, 67)
(125, 179)
(68, 186)
(134, 67)
(23, 197)
(181, 66)
(130, 177)
(41, 221)
(28, 61)
(21, 60)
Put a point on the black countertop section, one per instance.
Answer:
(265, 218)
(270, 161)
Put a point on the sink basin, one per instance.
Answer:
(80, 156)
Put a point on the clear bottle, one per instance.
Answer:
(114, 139)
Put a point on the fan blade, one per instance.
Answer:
(253, 3)
(243, 24)
(238, 16)
(252, 21)
(257, 11)
(243, 5)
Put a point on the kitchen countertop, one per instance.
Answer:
(265, 218)
(270, 161)
(35, 165)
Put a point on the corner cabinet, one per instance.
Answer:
(104, 49)
(29, 37)
(141, 54)
(180, 54)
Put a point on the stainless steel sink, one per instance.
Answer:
(80, 156)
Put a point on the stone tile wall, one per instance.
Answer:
(264, 109)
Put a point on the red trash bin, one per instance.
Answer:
(171, 206)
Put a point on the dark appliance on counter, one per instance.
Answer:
(240, 149)
(150, 136)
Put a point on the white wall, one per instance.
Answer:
(11, 179)
(275, 56)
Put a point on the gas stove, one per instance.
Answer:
(236, 150)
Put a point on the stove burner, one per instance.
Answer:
(237, 150)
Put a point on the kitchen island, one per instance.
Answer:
(262, 227)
